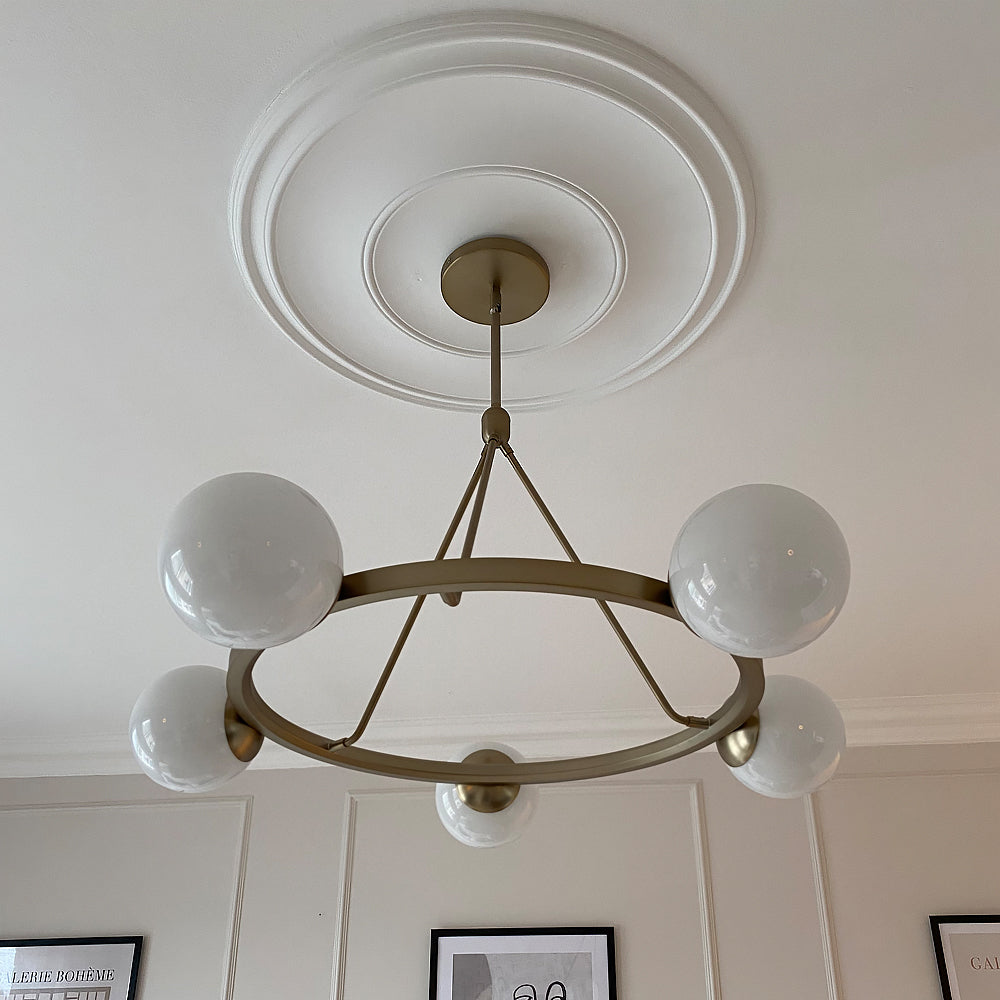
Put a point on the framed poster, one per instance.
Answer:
(968, 956)
(87, 968)
(523, 963)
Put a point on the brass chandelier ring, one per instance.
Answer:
(443, 576)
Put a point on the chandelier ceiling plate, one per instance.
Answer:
(471, 271)
(369, 169)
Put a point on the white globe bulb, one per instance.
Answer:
(178, 733)
(759, 570)
(800, 742)
(250, 560)
(479, 829)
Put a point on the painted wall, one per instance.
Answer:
(315, 882)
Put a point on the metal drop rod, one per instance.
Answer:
(495, 346)
(454, 599)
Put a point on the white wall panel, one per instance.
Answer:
(169, 870)
(630, 855)
(770, 945)
(716, 893)
(899, 847)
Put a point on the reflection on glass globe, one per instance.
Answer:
(801, 739)
(178, 733)
(759, 570)
(250, 560)
(479, 829)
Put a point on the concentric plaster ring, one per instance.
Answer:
(372, 166)
(597, 298)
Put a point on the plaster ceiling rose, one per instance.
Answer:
(370, 168)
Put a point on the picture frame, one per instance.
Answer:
(967, 948)
(70, 968)
(523, 963)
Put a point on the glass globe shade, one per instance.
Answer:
(178, 733)
(478, 829)
(800, 742)
(250, 560)
(759, 570)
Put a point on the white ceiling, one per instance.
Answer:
(857, 362)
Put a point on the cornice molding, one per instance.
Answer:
(903, 721)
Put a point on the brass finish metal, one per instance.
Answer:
(504, 573)
(415, 610)
(243, 739)
(497, 574)
(488, 798)
(477, 507)
(471, 271)
(452, 599)
(616, 626)
(496, 431)
(496, 425)
(495, 394)
(737, 747)
(489, 781)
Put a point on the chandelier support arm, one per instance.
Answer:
(685, 720)
(482, 480)
(543, 509)
(696, 722)
(477, 507)
(404, 634)
(463, 503)
(452, 599)
(482, 470)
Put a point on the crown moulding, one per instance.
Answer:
(872, 722)
(366, 171)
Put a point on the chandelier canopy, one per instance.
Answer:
(250, 561)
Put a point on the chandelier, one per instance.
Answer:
(250, 561)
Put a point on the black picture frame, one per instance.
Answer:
(585, 953)
(99, 968)
(954, 965)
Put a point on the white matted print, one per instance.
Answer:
(92, 968)
(523, 963)
(968, 956)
